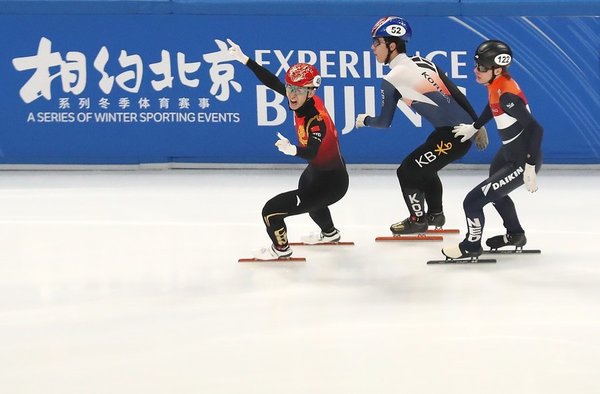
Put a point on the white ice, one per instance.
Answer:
(129, 282)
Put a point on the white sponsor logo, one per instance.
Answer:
(416, 205)
(426, 158)
(475, 230)
(502, 182)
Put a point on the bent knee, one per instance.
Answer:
(474, 198)
(404, 173)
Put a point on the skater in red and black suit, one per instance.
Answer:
(425, 88)
(325, 179)
(515, 164)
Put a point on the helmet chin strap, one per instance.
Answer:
(387, 58)
(494, 76)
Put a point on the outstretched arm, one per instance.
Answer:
(486, 116)
(480, 138)
(269, 79)
(465, 131)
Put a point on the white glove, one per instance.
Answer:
(466, 131)
(481, 139)
(283, 144)
(529, 178)
(360, 120)
(236, 52)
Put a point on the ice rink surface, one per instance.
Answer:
(128, 282)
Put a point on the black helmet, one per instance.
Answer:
(493, 54)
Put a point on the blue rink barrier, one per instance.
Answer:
(117, 82)
(85, 7)
(308, 7)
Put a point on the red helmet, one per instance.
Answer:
(303, 74)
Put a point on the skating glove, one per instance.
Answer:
(360, 120)
(283, 144)
(466, 131)
(236, 52)
(529, 178)
(481, 139)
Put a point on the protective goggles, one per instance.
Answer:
(297, 89)
(481, 68)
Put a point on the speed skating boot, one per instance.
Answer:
(322, 237)
(409, 226)
(437, 220)
(272, 253)
(499, 241)
(462, 251)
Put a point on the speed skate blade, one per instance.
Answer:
(512, 251)
(279, 260)
(443, 231)
(461, 261)
(416, 237)
(321, 243)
